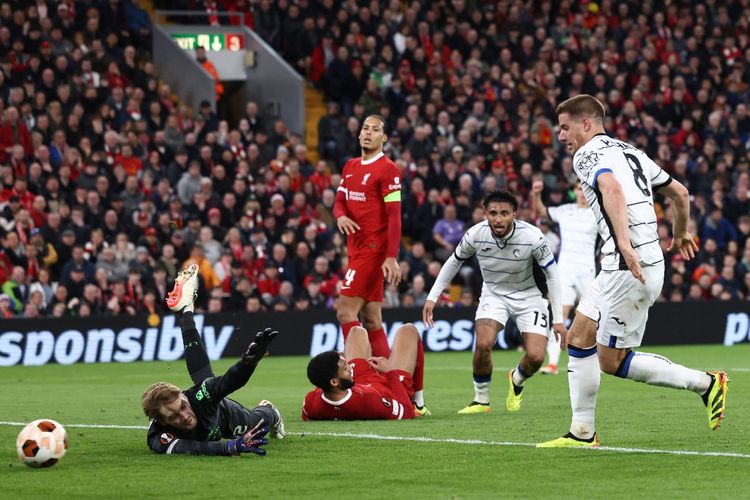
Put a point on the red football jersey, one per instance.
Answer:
(368, 185)
(373, 397)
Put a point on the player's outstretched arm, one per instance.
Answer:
(238, 374)
(613, 201)
(166, 444)
(448, 271)
(161, 440)
(682, 240)
(554, 287)
(258, 347)
(250, 442)
(546, 260)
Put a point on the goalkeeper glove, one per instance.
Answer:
(257, 348)
(250, 442)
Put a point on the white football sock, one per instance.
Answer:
(419, 398)
(553, 350)
(519, 376)
(584, 376)
(482, 388)
(657, 370)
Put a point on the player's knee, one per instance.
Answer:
(484, 346)
(580, 340)
(408, 331)
(356, 342)
(609, 365)
(535, 359)
(370, 323)
(345, 315)
(357, 334)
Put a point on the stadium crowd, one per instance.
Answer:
(110, 185)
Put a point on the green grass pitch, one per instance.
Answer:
(442, 456)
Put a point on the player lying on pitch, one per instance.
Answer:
(353, 385)
(194, 420)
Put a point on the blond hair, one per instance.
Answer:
(580, 106)
(156, 396)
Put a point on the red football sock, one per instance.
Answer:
(379, 343)
(347, 327)
(418, 377)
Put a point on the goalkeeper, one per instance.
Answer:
(195, 420)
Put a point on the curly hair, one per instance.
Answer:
(322, 368)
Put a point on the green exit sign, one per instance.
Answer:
(214, 42)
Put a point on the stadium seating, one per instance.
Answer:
(110, 184)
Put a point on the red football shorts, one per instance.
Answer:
(364, 278)
(366, 374)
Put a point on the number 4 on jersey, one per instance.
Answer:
(349, 277)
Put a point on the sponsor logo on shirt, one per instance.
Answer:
(516, 253)
(587, 162)
(357, 196)
(386, 402)
(203, 392)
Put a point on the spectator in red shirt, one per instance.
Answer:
(322, 274)
(132, 164)
(13, 131)
(269, 283)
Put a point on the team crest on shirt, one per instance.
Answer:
(166, 438)
(364, 179)
(587, 162)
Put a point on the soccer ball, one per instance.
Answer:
(42, 443)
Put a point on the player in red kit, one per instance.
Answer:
(356, 386)
(368, 212)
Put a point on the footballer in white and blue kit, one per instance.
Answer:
(577, 259)
(507, 251)
(619, 181)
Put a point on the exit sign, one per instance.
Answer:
(214, 42)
